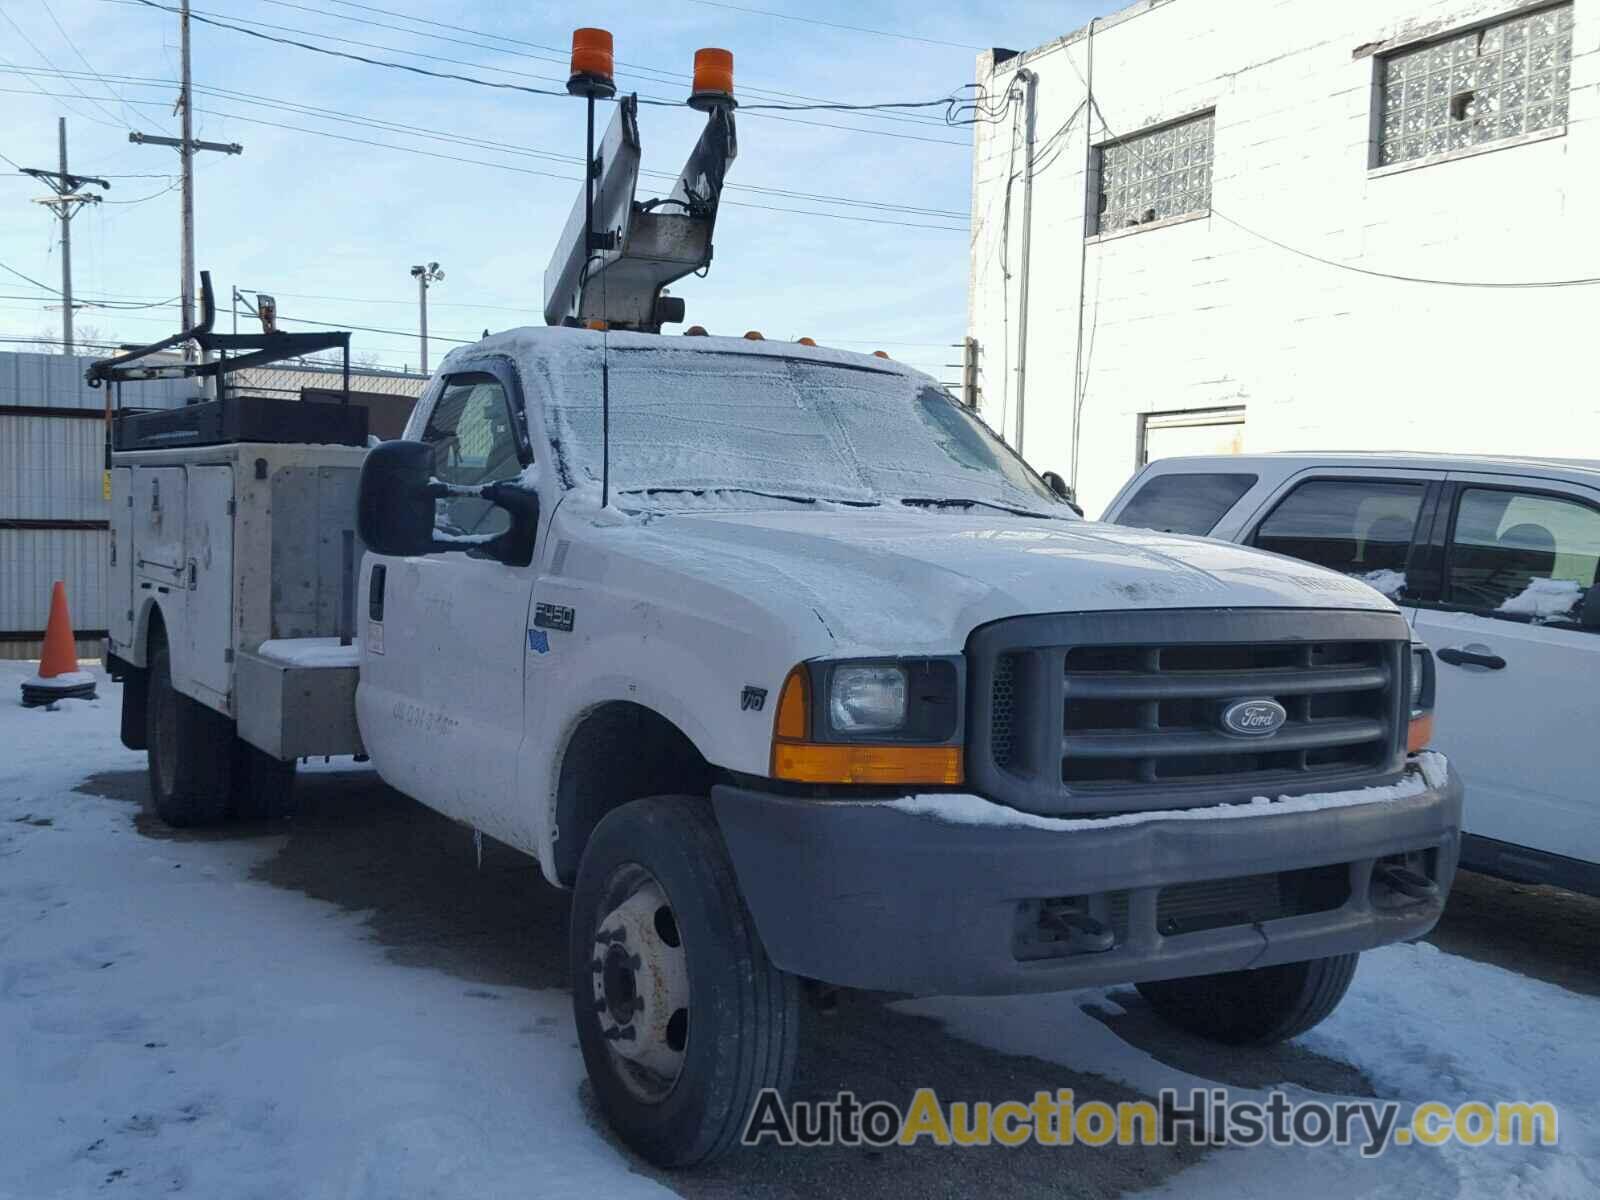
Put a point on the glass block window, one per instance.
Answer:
(1150, 176)
(1496, 82)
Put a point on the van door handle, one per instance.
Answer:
(1469, 658)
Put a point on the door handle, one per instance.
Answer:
(1469, 658)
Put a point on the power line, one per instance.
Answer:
(490, 83)
(552, 54)
(30, 279)
(115, 122)
(566, 178)
(905, 37)
(66, 37)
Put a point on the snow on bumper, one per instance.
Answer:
(944, 894)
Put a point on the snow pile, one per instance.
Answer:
(962, 809)
(1544, 598)
(64, 680)
(168, 1025)
(1391, 583)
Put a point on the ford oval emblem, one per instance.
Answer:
(1253, 718)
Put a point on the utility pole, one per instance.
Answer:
(65, 203)
(425, 274)
(186, 146)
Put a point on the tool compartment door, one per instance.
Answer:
(208, 577)
(157, 520)
(119, 588)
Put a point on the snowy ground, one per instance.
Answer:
(353, 1006)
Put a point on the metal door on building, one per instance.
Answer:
(1189, 432)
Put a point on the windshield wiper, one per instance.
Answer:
(651, 491)
(940, 502)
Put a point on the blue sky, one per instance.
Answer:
(332, 226)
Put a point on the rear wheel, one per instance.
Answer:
(682, 1019)
(1269, 1004)
(189, 750)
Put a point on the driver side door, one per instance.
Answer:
(441, 700)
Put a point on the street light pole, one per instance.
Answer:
(425, 274)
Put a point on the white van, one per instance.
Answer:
(1493, 561)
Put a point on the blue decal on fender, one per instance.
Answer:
(538, 641)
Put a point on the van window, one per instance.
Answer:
(1362, 527)
(1522, 554)
(1184, 503)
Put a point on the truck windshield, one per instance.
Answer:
(690, 427)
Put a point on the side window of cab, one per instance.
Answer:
(474, 437)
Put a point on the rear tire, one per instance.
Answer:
(1269, 1004)
(656, 900)
(189, 751)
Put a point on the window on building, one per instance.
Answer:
(1184, 503)
(1469, 89)
(473, 442)
(1362, 527)
(1522, 554)
(1150, 176)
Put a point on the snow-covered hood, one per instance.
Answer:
(887, 581)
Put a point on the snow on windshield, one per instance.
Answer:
(695, 421)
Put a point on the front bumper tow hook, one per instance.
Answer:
(1406, 881)
(1084, 934)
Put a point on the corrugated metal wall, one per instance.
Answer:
(53, 512)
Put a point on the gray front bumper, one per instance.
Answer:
(864, 895)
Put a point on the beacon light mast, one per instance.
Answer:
(617, 254)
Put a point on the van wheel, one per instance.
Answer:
(262, 786)
(682, 1019)
(189, 751)
(1268, 1004)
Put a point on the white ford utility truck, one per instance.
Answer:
(787, 667)
(834, 688)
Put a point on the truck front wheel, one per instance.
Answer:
(1268, 1004)
(189, 751)
(682, 1019)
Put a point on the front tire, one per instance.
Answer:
(682, 1018)
(189, 751)
(1259, 1007)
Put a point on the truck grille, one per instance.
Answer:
(1116, 712)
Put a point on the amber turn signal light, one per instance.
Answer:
(799, 760)
(1420, 734)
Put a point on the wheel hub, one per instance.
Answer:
(641, 985)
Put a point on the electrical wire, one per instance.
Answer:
(115, 122)
(551, 54)
(30, 279)
(767, 12)
(514, 87)
(846, 201)
(66, 37)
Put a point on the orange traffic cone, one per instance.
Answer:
(59, 677)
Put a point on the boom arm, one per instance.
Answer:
(640, 246)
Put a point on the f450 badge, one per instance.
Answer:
(553, 616)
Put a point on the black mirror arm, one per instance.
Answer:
(514, 547)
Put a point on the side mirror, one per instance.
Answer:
(395, 508)
(1062, 490)
(1589, 610)
(395, 504)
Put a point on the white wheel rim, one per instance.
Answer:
(641, 984)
